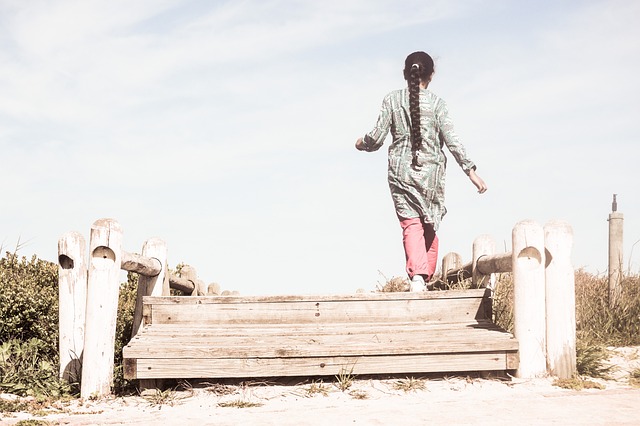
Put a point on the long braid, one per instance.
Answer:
(414, 109)
(417, 67)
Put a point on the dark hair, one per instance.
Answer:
(418, 66)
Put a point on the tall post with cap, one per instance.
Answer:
(616, 222)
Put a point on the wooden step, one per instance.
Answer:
(377, 333)
(449, 306)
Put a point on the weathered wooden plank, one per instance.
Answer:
(341, 344)
(194, 352)
(446, 310)
(318, 366)
(130, 367)
(211, 336)
(146, 314)
(205, 331)
(284, 346)
(513, 360)
(377, 296)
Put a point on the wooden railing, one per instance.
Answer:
(540, 261)
(544, 292)
(88, 298)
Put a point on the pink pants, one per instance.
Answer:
(420, 247)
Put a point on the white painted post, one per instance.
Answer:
(616, 226)
(105, 253)
(72, 299)
(483, 245)
(528, 259)
(561, 300)
(153, 248)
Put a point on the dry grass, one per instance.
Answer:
(317, 387)
(161, 397)
(503, 301)
(359, 394)
(409, 384)
(599, 324)
(634, 378)
(345, 378)
(395, 284)
(239, 403)
(577, 383)
(220, 389)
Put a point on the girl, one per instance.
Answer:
(420, 126)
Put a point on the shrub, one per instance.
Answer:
(29, 301)
(29, 329)
(26, 369)
(124, 324)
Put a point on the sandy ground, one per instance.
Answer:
(455, 400)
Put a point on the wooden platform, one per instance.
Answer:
(373, 333)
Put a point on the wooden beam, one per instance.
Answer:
(178, 283)
(493, 264)
(148, 266)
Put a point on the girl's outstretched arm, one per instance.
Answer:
(477, 181)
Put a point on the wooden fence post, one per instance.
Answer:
(483, 245)
(72, 299)
(560, 300)
(529, 297)
(450, 262)
(189, 273)
(153, 248)
(105, 248)
(616, 227)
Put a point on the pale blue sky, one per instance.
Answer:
(227, 128)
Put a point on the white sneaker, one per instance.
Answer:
(417, 283)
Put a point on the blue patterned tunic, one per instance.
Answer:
(417, 191)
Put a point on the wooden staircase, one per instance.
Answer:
(273, 336)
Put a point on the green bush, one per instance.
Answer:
(124, 324)
(29, 301)
(29, 328)
(27, 369)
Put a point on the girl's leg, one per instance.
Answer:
(415, 249)
(431, 244)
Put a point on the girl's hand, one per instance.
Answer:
(360, 144)
(477, 181)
